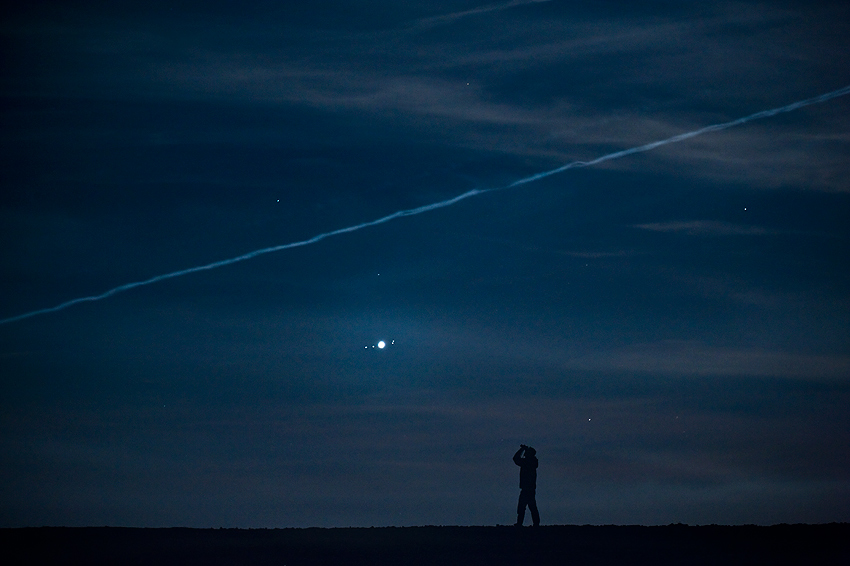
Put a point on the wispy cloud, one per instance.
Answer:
(531, 91)
(454, 16)
(705, 228)
(689, 358)
(525, 247)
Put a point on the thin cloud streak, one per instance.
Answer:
(704, 228)
(448, 18)
(687, 135)
(448, 202)
(683, 358)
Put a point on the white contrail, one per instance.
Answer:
(448, 202)
(249, 255)
(685, 136)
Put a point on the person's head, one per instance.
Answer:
(529, 451)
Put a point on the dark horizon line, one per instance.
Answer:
(496, 526)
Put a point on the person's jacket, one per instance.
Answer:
(527, 471)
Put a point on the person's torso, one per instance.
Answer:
(528, 473)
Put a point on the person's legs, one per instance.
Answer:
(532, 506)
(520, 509)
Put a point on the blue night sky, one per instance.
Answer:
(669, 329)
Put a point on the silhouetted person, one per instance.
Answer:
(527, 484)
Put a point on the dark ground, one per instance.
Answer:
(673, 544)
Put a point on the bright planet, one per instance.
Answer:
(381, 344)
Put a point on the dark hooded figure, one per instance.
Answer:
(527, 484)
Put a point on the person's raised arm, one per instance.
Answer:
(519, 452)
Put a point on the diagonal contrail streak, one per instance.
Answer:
(687, 135)
(444, 203)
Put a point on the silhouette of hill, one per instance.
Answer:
(611, 545)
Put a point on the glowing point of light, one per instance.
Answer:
(381, 344)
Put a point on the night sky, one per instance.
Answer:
(669, 329)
